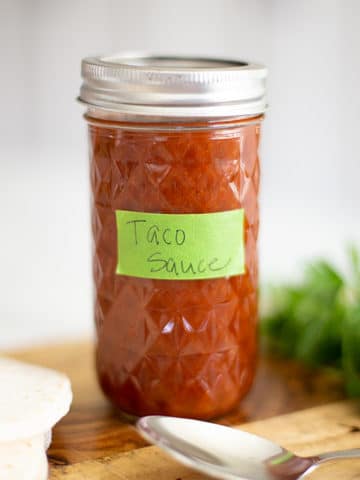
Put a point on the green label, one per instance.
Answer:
(180, 246)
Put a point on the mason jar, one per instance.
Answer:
(175, 178)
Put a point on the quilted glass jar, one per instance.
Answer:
(175, 178)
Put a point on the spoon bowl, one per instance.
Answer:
(228, 453)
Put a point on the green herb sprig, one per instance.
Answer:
(317, 320)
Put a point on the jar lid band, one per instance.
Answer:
(173, 86)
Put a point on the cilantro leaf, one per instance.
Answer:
(317, 320)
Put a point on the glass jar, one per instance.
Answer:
(175, 179)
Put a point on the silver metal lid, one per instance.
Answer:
(173, 86)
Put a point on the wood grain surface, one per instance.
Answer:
(96, 442)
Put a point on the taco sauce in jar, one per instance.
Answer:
(175, 178)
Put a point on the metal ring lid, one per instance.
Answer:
(173, 86)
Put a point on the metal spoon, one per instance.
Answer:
(229, 453)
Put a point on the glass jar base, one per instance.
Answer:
(131, 412)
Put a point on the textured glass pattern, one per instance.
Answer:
(183, 347)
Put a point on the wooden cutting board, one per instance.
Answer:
(94, 442)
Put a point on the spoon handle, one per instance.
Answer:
(352, 453)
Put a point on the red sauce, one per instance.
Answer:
(175, 347)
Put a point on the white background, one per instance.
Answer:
(310, 151)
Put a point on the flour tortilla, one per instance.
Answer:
(24, 460)
(32, 400)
